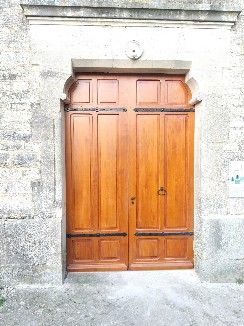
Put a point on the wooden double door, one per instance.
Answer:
(129, 172)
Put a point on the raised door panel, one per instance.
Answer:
(108, 129)
(176, 93)
(148, 92)
(81, 92)
(175, 169)
(83, 250)
(108, 91)
(178, 170)
(97, 191)
(112, 172)
(148, 141)
(148, 249)
(81, 160)
(109, 250)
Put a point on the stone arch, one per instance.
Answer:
(69, 81)
(194, 88)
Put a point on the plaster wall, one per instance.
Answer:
(35, 64)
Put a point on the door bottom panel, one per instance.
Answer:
(96, 267)
(167, 252)
(162, 265)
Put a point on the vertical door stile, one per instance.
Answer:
(68, 183)
(161, 172)
(190, 170)
(68, 169)
(94, 173)
(132, 198)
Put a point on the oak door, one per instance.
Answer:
(161, 185)
(129, 173)
(97, 191)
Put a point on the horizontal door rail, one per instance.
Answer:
(95, 109)
(162, 234)
(163, 110)
(96, 235)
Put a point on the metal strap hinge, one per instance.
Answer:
(162, 234)
(164, 110)
(95, 235)
(95, 109)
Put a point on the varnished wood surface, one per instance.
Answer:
(114, 156)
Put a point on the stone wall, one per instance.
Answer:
(221, 249)
(30, 247)
(36, 62)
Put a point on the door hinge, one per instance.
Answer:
(162, 234)
(95, 109)
(95, 235)
(164, 110)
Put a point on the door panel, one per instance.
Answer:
(147, 158)
(148, 92)
(83, 250)
(109, 250)
(129, 173)
(108, 162)
(162, 160)
(81, 138)
(82, 91)
(97, 194)
(108, 91)
(175, 92)
(175, 169)
(148, 249)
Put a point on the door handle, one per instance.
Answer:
(162, 191)
(133, 200)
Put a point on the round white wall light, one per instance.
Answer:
(133, 50)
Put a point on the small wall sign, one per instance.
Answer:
(236, 179)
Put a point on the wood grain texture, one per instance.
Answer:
(112, 157)
(109, 250)
(82, 91)
(176, 153)
(175, 92)
(148, 92)
(147, 136)
(108, 91)
(108, 161)
(81, 161)
(148, 249)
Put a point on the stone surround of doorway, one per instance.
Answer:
(37, 64)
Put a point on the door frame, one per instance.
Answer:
(174, 67)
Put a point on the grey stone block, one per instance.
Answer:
(33, 250)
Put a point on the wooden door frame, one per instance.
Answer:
(169, 67)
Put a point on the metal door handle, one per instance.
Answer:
(162, 191)
(133, 200)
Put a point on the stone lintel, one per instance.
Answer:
(134, 10)
(131, 66)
